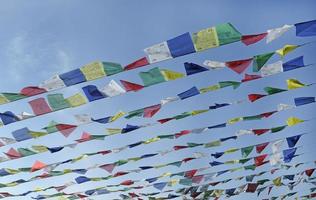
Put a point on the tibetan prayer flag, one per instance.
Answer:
(292, 121)
(57, 102)
(210, 88)
(250, 77)
(259, 160)
(218, 105)
(181, 45)
(3, 100)
(21, 134)
(112, 89)
(286, 49)
(136, 64)
(214, 64)
(8, 117)
(252, 187)
(223, 84)
(152, 77)
(13, 96)
(260, 60)
(293, 64)
(217, 154)
(294, 84)
(227, 33)
(32, 90)
(117, 116)
(92, 93)
(205, 39)
(261, 147)
(13, 154)
(171, 75)
(277, 182)
(108, 167)
(272, 90)
(72, 77)
(82, 179)
(291, 141)
(192, 68)
(239, 66)
(76, 100)
(277, 129)
(151, 111)
(277, 32)
(158, 52)
(189, 93)
(304, 100)
(38, 165)
(273, 68)
(52, 83)
(309, 172)
(26, 152)
(111, 68)
(65, 129)
(131, 86)
(246, 151)
(260, 131)
(103, 120)
(255, 97)
(251, 39)
(305, 29)
(39, 106)
(288, 155)
(93, 71)
(160, 186)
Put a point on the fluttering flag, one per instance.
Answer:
(76, 100)
(214, 64)
(171, 75)
(251, 39)
(52, 83)
(309, 172)
(294, 84)
(131, 86)
(277, 32)
(261, 147)
(57, 102)
(305, 29)
(260, 60)
(292, 121)
(181, 45)
(160, 186)
(108, 167)
(273, 68)
(92, 93)
(72, 77)
(152, 77)
(272, 90)
(39, 106)
(136, 64)
(291, 141)
(112, 89)
(38, 165)
(93, 71)
(205, 39)
(303, 100)
(13, 154)
(189, 93)
(8, 117)
(22, 134)
(32, 91)
(255, 97)
(151, 111)
(277, 181)
(259, 160)
(288, 155)
(246, 151)
(227, 33)
(239, 66)
(293, 64)
(158, 52)
(192, 68)
(286, 49)
(250, 77)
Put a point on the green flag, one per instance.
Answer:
(260, 60)
(278, 128)
(151, 77)
(121, 162)
(250, 167)
(135, 113)
(246, 151)
(25, 152)
(171, 136)
(235, 84)
(272, 90)
(193, 144)
(254, 117)
(227, 33)
(261, 182)
(112, 68)
(13, 96)
(213, 144)
(243, 161)
(51, 128)
(182, 115)
(57, 101)
(177, 164)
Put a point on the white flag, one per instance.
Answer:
(283, 106)
(52, 83)
(198, 130)
(214, 64)
(112, 89)
(277, 32)
(82, 119)
(158, 52)
(271, 69)
(276, 146)
(275, 159)
(243, 132)
(168, 100)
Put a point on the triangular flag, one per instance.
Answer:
(294, 84)
(192, 68)
(151, 111)
(131, 86)
(250, 77)
(286, 49)
(272, 90)
(246, 151)
(261, 147)
(255, 97)
(214, 64)
(273, 68)
(108, 167)
(13, 154)
(136, 64)
(239, 66)
(160, 186)
(260, 60)
(66, 129)
(32, 91)
(37, 166)
(259, 160)
(291, 141)
(277, 32)
(291, 121)
(251, 39)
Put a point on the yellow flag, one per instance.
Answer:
(286, 49)
(79, 158)
(12, 171)
(76, 100)
(151, 140)
(160, 166)
(11, 184)
(196, 112)
(117, 116)
(93, 71)
(232, 150)
(217, 193)
(173, 182)
(38, 189)
(171, 75)
(277, 181)
(39, 148)
(293, 84)
(3, 100)
(112, 131)
(36, 134)
(234, 120)
(205, 39)
(291, 121)
(166, 174)
(210, 88)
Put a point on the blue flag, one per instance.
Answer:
(288, 155)
(8, 117)
(102, 120)
(192, 68)
(181, 45)
(306, 28)
(92, 93)
(217, 126)
(129, 128)
(293, 64)
(291, 141)
(215, 163)
(218, 105)
(304, 100)
(217, 154)
(72, 77)
(189, 93)
(21, 134)
(160, 186)
(82, 179)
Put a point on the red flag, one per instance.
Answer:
(131, 86)
(66, 129)
(32, 90)
(268, 114)
(133, 195)
(151, 111)
(255, 97)
(127, 182)
(13, 154)
(182, 133)
(108, 167)
(105, 152)
(260, 131)
(250, 77)
(60, 188)
(138, 63)
(84, 137)
(261, 147)
(252, 187)
(37, 166)
(309, 172)
(259, 160)
(179, 147)
(239, 66)
(187, 159)
(40, 106)
(162, 121)
(190, 174)
(197, 179)
(120, 174)
(251, 39)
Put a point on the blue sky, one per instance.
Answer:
(41, 39)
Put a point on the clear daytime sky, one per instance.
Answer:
(41, 38)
